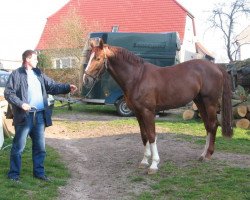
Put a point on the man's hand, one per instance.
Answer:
(73, 88)
(26, 107)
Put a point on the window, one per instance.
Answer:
(68, 62)
(65, 62)
(115, 28)
(73, 63)
(58, 64)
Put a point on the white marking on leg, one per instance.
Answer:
(147, 154)
(90, 59)
(155, 156)
(206, 146)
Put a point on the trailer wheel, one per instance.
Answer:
(122, 108)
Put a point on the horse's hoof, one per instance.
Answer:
(152, 171)
(204, 159)
(143, 165)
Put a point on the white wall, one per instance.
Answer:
(243, 40)
(9, 64)
(188, 50)
(245, 51)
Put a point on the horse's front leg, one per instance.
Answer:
(150, 149)
(148, 118)
(147, 155)
(147, 152)
(155, 158)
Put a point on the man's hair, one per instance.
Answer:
(27, 54)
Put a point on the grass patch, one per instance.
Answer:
(76, 126)
(62, 108)
(192, 127)
(194, 131)
(191, 131)
(31, 188)
(195, 180)
(198, 180)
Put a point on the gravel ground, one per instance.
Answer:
(102, 159)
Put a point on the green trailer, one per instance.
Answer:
(161, 49)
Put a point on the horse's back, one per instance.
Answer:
(197, 70)
(177, 85)
(208, 73)
(199, 65)
(203, 66)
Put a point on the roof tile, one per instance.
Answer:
(130, 15)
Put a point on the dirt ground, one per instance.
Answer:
(102, 159)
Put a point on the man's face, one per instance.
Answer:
(32, 61)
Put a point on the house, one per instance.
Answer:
(243, 43)
(203, 53)
(151, 16)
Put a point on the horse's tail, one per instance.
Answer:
(226, 108)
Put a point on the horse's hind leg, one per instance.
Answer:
(208, 111)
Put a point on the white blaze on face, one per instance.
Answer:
(90, 59)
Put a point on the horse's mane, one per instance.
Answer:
(124, 54)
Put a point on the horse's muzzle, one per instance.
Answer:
(87, 81)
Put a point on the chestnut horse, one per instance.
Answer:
(148, 89)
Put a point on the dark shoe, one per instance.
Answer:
(16, 180)
(43, 178)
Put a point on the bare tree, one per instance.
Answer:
(67, 39)
(225, 17)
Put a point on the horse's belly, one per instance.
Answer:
(169, 106)
(174, 101)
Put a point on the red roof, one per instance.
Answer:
(131, 16)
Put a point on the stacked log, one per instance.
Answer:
(241, 93)
(241, 108)
(8, 129)
(191, 113)
(241, 115)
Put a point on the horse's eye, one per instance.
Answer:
(98, 58)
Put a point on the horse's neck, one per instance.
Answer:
(124, 73)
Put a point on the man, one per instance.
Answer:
(26, 90)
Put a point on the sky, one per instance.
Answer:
(210, 38)
(22, 23)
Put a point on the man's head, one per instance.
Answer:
(29, 58)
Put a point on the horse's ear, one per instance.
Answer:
(101, 43)
(92, 42)
(96, 42)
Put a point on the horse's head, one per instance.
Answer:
(97, 62)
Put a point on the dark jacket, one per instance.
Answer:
(16, 93)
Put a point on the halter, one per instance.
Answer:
(96, 78)
(105, 65)
(105, 59)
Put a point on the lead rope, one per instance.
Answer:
(34, 110)
(92, 86)
(105, 59)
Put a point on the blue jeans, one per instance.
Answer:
(35, 129)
